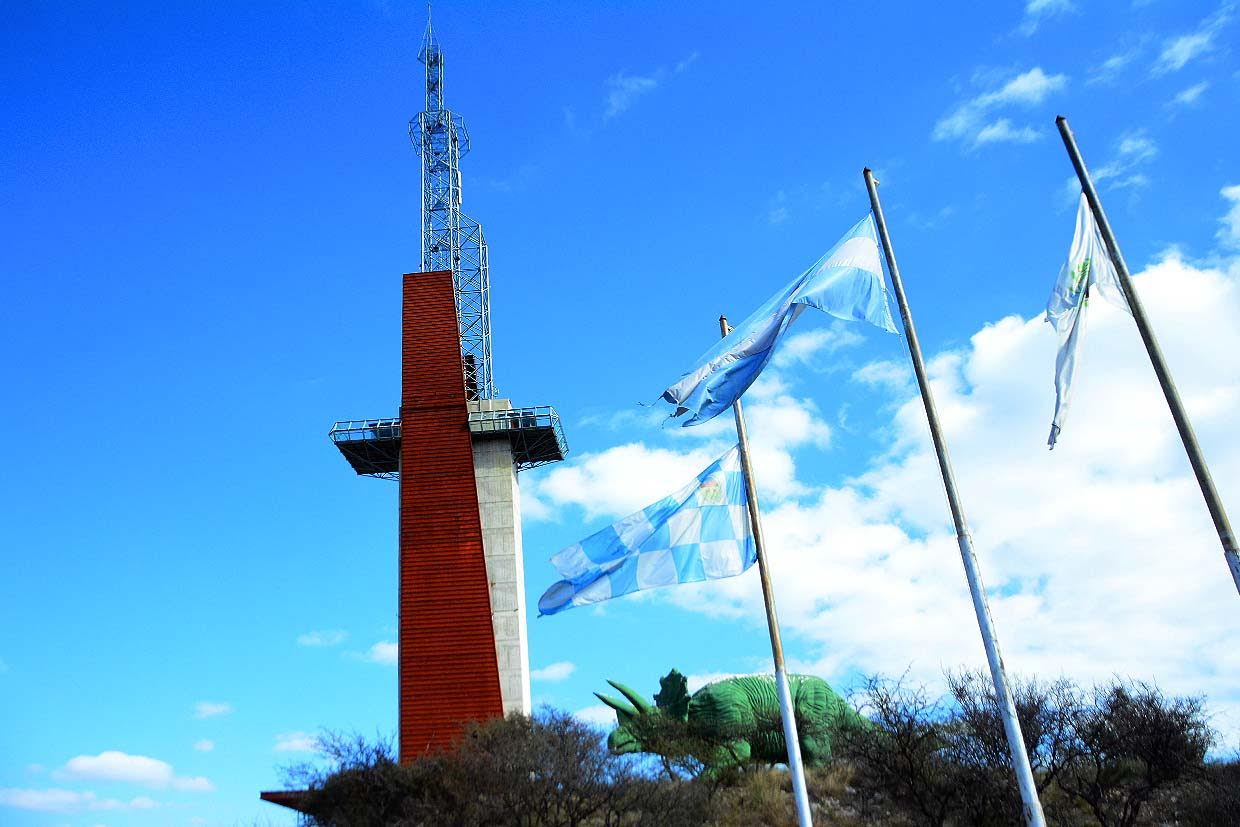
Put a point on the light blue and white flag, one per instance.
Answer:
(847, 283)
(1088, 265)
(702, 532)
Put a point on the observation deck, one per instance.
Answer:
(372, 446)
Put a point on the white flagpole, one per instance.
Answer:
(786, 711)
(1007, 708)
(1195, 458)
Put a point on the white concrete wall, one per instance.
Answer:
(499, 502)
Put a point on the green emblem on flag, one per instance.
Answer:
(1078, 278)
(711, 493)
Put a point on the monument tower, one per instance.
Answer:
(455, 449)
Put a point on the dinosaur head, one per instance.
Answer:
(626, 737)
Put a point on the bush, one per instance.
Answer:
(903, 761)
(1134, 744)
(980, 747)
(1212, 800)
(1099, 757)
(547, 771)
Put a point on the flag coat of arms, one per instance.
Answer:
(702, 532)
(1088, 266)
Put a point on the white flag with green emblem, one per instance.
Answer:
(1088, 266)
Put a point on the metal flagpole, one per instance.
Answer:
(795, 767)
(1217, 512)
(1007, 708)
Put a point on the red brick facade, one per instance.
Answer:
(447, 665)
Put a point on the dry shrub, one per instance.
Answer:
(548, 771)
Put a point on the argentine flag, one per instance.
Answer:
(702, 532)
(1088, 265)
(847, 283)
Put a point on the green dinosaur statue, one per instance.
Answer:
(736, 720)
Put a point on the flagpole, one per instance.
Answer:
(1217, 513)
(1007, 708)
(786, 711)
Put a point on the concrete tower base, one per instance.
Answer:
(499, 505)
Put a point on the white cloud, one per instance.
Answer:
(1002, 131)
(1191, 95)
(782, 422)
(1029, 88)
(211, 709)
(777, 210)
(328, 637)
(969, 122)
(384, 652)
(1178, 52)
(68, 801)
(194, 784)
(1229, 233)
(296, 742)
(533, 508)
(891, 375)
(624, 89)
(599, 715)
(620, 480)
(113, 765)
(930, 220)
(554, 672)
(51, 800)
(123, 768)
(1134, 150)
(624, 420)
(769, 385)
(205, 745)
(1037, 11)
(809, 346)
(1137, 146)
(1109, 69)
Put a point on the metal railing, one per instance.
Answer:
(373, 430)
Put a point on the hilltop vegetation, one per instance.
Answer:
(1117, 755)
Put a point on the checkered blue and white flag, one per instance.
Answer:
(702, 532)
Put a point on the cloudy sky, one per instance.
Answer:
(205, 214)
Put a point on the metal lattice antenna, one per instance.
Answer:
(452, 240)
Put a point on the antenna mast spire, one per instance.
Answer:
(452, 240)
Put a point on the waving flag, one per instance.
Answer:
(1088, 265)
(847, 283)
(702, 532)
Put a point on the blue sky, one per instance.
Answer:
(205, 215)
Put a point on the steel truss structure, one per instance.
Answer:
(535, 433)
(452, 240)
(372, 446)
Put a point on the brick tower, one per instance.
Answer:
(456, 449)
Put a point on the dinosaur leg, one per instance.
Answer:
(726, 756)
(815, 749)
